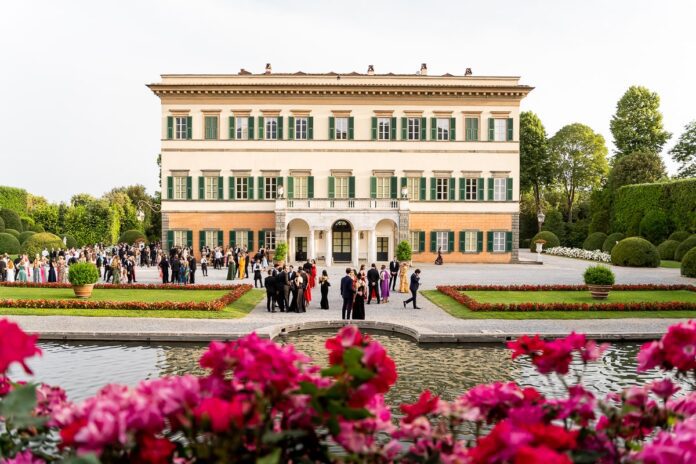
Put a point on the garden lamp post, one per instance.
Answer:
(539, 245)
(540, 218)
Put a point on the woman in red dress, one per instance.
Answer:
(313, 275)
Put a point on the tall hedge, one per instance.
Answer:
(9, 244)
(14, 199)
(95, 222)
(11, 219)
(27, 223)
(677, 199)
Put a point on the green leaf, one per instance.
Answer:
(18, 406)
(308, 388)
(84, 459)
(361, 373)
(332, 371)
(352, 357)
(272, 458)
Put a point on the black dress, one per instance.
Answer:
(359, 304)
(324, 303)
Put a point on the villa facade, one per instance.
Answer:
(342, 166)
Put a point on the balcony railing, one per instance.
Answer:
(384, 204)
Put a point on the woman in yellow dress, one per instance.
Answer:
(403, 278)
(242, 265)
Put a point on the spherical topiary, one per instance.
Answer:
(13, 232)
(38, 242)
(2, 225)
(11, 219)
(682, 249)
(594, 241)
(70, 241)
(83, 274)
(9, 244)
(655, 226)
(667, 249)
(679, 235)
(404, 251)
(25, 235)
(688, 264)
(132, 236)
(27, 223)
(635, 252)
(549, 237)
(38, 228)
(611, 241)
(598, 275)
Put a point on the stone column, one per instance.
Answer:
(356, 241)
(371, 247)
(329, 244)
(310, 245)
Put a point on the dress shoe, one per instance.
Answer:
(404, 304)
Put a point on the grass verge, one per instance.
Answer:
(670, 264)
(102, 294)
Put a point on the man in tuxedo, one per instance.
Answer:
(414, 285)
(192, 269)
(164, 265)
(284, 285)
(270, 284)
(393, 273)
(373, 283)
(347, 292)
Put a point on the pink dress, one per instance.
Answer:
(384, 284)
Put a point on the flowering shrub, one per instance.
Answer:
(187, 287)
(579, 253)
(265, 403)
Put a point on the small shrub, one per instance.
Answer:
(404, 251)
(38, 242)
(655, 226)
(594, 241)
(635, 252)
(13, 232)
(83, 274)
(688, 264)
(38, 228)
(132, 236)
(2, 225)
(682, 249)
(11, 219)
(70, 241)
(549, 237)
(25, 235)
(667, 249)
(9, 244)
(611, 241)
(679, 235)
(598, 275)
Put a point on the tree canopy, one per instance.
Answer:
(637, 124)
(536, 165)
(636, 168)
(684, 152)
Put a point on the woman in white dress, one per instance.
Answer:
(10, 271)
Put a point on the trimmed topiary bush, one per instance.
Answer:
(635, 252)
(2, 225)
(25, 235)
(667, 249)
(13, 232)
(688, 265)
(549, 237)
(11, 219)
(9, 244)
(655, 226)
(611, 241)
(404, 251)
(38, 228)
(594, 241)
(598, 275)
(679, 235)
(70, 241)
(37, 242)
(684, 247)
(132, 236)
(27, 223)
(83, 274)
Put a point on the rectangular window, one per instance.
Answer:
(269, 239)
(443, 129)
(341, 129)
(499, 189)
(499, 241)
(300, 187)
(179, 187)
(442, 188)
(211, 238)
(270, 128)
(301, 128)
(241, 238)
(413, 128)
(211, 127)
(241, 188)
(471, 129)
(181, 127)
(413, 185)
(341, 188)
(442, 241)
(383, 128)
(470, 189)
(383, 187)
(211, 187)
(269, 187)
(241, 128)
(414, 239)
(180, 238)
(470, 241)
(500, 127)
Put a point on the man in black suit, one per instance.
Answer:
(270, 284)
(164, 265)
(192, 269)
(373, 283)
(284, 289)
(415, 283)
(347, 292)
(393, 273)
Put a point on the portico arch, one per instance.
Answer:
(298, 240)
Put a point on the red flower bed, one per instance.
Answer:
(455, 292)
(121, 286)
(214, 305)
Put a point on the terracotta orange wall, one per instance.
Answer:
(455, 223)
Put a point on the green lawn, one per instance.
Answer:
(238, 309)
(582, 296)
(462, 312)
(102, 294)
(670, 264)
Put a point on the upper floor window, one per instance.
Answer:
(383, 128)
(470, 188)
(341, 129)
(301, 126)
(211, 127)
(300, 187)
(383, 187)
(500, 128)
(211, 187)
(472, 129)
(443, 128)
(413, 131)
(270, 186)
(442, 188)
(270, 128)
(341, 187)
(179, 187)
(413, 184)
(499, 189)
(242, 128)
(241, 188)
(181, 129)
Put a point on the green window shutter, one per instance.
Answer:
(421, 196)
(423, 128)
(392, 129)
(404, 182)
(421, 241)
(404, 126)
(201, 239)
(450, 241)
(451, 188)
(332, 186)
(261, 186)
(232, 238)
(351, 128)
(332, 125)
(189, 187)
(508, 193)
(433, 241)
(250, 240)
(230, 188)
(201, 188)
(262, 238)
(468, 136)
(189, 238)
(221, 191)
(462, 236)
(433, 128)
(479, 189)
(170, 127)
(170, 187)
(310, 128)
(490, 189)
(462, 188)
(291, 128)
(231, 133)
(394, 188)
(170, 239)
(433, 190)
(250, 129)
(373, 130)
(489, 242)
(509, 129)
(219, 238)
(279, 120)
(250, 188)
(453, 129)
(479, 241)
(290, 188)
(310, 187)
(491, 129)
(508, 241)
(262, 136)
(189, 127)
(351, 187)
(476, 129)
(373, 187)
(279, 182)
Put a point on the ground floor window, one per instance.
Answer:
(241, 238)
(180, 238)
(470, 245)
(269, 239)
(211, 238)
(442, 241)
(498, 241)
(414, 239)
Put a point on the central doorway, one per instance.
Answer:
(300, 248)
(382, 248)
(341, 237)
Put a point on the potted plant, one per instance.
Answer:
(404, 251)
(83, 276)
(599, 280)
(281, 253)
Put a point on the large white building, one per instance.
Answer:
(343, 166)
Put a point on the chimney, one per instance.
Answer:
(423, 69)
(468, 72)
(370, 70)
(268, 68)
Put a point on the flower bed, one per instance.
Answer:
(579, 253)
(455, 292)
(123, 286)
(218, 304)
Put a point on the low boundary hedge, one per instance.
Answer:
(455, 292)
(218, 304)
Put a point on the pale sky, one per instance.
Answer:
(76, 115)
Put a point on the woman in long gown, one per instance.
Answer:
(324, 285)
(293, 296)
(22, 276)
(384, 283)
(313, 275)
(403, 278)
(36, 271)
(302, 291)
(60, 267)
(231, 269)
(307, 288)
(242, 266)
(359, 303)
(51, 272)
(10, 271)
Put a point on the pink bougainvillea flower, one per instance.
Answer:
(675, 447)
(155, 450)
(679, 346)
(426, 404)
(24, 457)
(664, 388)
(16, 346)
